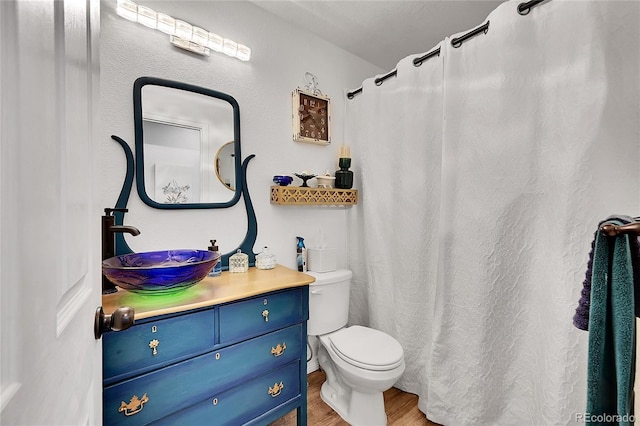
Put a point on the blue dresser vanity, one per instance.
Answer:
(230, 350)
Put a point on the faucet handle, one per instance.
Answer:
(108, 211)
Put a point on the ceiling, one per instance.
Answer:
(382, 32)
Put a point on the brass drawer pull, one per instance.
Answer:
(276, 389)
(134, 406)
(278, 350)
(154, 346)
(265, 315)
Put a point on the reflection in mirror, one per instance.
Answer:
(224, 164)
(182, 133)
(187, 141)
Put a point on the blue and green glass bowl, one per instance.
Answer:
(159, 272)
(282, 180)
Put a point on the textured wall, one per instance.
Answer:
(281, 54)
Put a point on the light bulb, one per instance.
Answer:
(230, 47)
(215, 42)
(166, 24)
(200, 36)
(244, 53)
(184, 30)
(147, 17)
(127, 9)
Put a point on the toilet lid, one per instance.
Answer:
(367, 348)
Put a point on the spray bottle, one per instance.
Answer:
(301, 252)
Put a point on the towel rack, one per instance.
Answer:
(611, 230)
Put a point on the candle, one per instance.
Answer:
(345, 152)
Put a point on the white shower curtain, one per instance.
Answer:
(483, 175)
(397, 133)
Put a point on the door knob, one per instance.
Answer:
(121, 319)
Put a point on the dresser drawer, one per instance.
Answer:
(260, 315)
(156, 343)
(162, 392)
(244, 402)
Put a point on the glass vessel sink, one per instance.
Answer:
(159, 272)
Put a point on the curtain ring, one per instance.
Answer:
(457, 42)
(418, 61)
(382, 78)
(351, 95)
(523, 9)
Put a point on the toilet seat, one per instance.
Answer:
(367, 348)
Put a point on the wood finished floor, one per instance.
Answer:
(401, 408)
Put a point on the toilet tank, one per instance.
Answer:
(328, 301)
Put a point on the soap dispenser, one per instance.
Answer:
(217, 270)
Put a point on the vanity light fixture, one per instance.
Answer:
(182, 34)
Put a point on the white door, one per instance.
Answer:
(49, 226)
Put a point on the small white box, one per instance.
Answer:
(321, 260)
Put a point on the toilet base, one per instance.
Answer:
(356, 408)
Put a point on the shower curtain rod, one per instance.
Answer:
(523, 9)
(416, 62)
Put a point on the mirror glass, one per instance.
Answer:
(187, 145)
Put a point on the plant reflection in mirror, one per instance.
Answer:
(176, 194)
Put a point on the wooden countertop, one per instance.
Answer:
(208, 292)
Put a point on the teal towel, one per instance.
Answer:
(611, 365)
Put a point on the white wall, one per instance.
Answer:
(281, 54)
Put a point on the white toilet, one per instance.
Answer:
(360, 362)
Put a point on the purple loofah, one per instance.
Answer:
(581, 317)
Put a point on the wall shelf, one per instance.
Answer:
(298, 196)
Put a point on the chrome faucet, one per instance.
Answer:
(109, 230)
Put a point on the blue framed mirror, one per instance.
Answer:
(187, 145)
